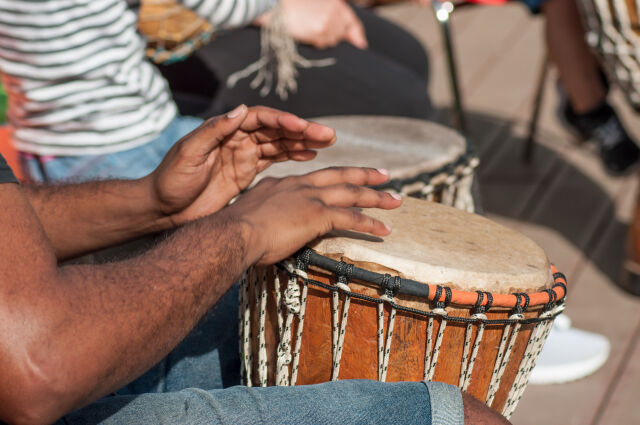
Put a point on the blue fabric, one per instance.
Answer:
(129, 164)
(6, 174)
(534, 5)
(198, 384)
(339, 402)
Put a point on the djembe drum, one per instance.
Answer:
(449, 296)
(613, 31)
(425, 159)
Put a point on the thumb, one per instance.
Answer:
(215, 130)
(355, 33)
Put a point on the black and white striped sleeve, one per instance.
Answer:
(226, 14)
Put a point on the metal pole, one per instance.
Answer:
(535, 116)
(443, 12)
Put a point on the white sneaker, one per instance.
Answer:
(569, 354)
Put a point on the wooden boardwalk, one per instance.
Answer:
(563, 200)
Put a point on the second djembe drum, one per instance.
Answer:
(449, 296)
(425, 159)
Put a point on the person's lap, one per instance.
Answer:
(353, 402)
(388, 78)
(198, 383)
(130, 164)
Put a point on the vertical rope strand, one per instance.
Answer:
(386, 348)
(538, 343)
(380, 308)
(241, 332)
(337, 355)
(303, 306)
(277, 289)
(465, 379)
(292, 304)
(428, 348)
(524, 364)
(248, 346)
(261, 298)
(436, 348)
(502, 357)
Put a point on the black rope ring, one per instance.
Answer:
(387, 287)
(479, 299)
(448, 296)
(303, 260)
(517, 309)
(436, 297)
(489, 301)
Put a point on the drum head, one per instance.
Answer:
(436, 244)
(404, 146)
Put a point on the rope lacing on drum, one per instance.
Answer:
(292, 303)
(505, 349)
(443, 297)
(532, 351)
(468, 363)
(384, 348)
(431, 354)
(339, 325)
(261, 302)
(244, 322)
(302, 264)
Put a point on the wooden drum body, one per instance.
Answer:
(425, 159)
(406, 308)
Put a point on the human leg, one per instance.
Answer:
(352, 402)
(129, 164)
(372, 81)
(587, 110)
(577, 66)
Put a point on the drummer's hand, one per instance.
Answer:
(211, 165)
(321, 23)
(284, 214)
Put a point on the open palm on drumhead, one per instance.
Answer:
(214, 163)
(284, 214)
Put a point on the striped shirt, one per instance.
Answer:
(77, 78)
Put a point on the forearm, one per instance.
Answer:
(227, 14)
(79, 218)
(119, 319)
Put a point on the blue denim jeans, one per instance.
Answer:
(198, 384)
(129, 164)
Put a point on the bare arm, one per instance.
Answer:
(227, 14)
(72, 334)
(78, 218)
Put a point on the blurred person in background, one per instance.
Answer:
(86, 103)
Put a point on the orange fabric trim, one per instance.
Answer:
(7, 150)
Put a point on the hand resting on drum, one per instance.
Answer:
(284, 214)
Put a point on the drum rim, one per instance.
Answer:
(442, 295)
(468, 158)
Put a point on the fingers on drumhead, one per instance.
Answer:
(354, 175)
(353, 219)
(351, 195)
